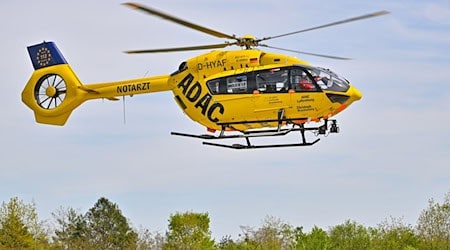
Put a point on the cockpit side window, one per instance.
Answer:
(301, 81)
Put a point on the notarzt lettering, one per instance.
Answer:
(133, 87)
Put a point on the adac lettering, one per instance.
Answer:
(212, 64)
(133, 87)
(193, 91)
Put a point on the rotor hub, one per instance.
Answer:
(248, 37)
(247, 41)
(51, 91)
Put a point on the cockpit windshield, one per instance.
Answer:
(328, 80)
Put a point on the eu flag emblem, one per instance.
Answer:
(45, 54)
(43, 57)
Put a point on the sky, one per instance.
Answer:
(389, 159)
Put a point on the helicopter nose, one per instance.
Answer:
(355, 94)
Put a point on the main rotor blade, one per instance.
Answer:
(211, 46)
(179, 21)
(306, 53)
(375, 14)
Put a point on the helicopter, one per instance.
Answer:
(244, 93)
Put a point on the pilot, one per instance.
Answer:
(322, 81)
(305, 82)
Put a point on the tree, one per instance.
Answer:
(316, 239)
(227, 243)
(20, 227)
(148, 240)
(273, 234)
(433, 224)
(349, 235)
(189, 231)
(394, 234)
(71, 229)
(107, 228)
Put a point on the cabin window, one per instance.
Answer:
(236, 84)
(214, 85)
(272, 81)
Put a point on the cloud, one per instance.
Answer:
(438, 13)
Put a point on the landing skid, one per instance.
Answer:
(320, 130)
(249, 146)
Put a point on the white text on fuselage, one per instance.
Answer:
(193, 93)
(212, 64)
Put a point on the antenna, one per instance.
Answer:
(124, 106)
(124, 111)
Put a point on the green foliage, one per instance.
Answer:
(227, 243)
(394, 234)
(107, 228)
(104, 227)
(71, 230)
(149, 240)
(273, 234)
(189, 231)
(316, 239)
(20, 227)
(433, 225)
(13, 233)
(349, 236)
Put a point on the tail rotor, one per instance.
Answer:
(50, 91)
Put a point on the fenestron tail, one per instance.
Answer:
(54, 90)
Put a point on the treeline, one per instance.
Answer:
(105, 227)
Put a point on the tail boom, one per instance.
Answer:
(54, 91)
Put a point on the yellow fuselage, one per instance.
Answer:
(220, 90)
(251, 108)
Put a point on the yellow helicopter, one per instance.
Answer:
(233, 93)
